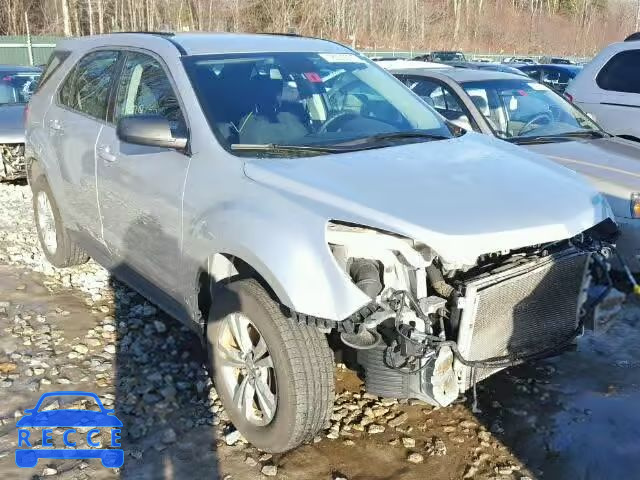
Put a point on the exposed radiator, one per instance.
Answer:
(527, 309)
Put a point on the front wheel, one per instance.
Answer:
(274, 376)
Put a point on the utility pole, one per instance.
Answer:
(29, 45)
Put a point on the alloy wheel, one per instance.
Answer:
(247, 369)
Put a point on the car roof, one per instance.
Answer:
(467, 74)
(212, 43)
(410, 65)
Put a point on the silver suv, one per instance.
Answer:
(278, 192)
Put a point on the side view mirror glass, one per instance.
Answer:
(151, 130)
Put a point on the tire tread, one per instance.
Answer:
(311, 361)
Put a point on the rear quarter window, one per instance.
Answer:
(621, 73)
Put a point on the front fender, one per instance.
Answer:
(292, 257)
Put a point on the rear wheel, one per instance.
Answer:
(56, 244)
(274, 377)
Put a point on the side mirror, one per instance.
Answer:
(151, 130)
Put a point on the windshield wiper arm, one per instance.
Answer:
(276, 148)
(557, 137)
(584, 133)
(401, 135)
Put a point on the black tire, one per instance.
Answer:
(303, 365)
(67, 253)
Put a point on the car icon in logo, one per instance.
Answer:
(69, 418)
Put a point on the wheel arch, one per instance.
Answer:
(221, 268)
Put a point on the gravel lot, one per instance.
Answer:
(78, 329)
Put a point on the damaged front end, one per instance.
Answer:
(435, 330)
(12, 164)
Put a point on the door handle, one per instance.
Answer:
(104, 152)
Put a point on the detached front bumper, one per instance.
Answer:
(13, 165)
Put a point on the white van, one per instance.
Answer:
(609, 89)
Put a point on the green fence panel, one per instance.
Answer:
(14, 50)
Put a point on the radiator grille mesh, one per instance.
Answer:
(525, 314)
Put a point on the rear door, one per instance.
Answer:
(618, 94)
(74, 122)
(140, 187)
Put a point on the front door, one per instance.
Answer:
(140, 187)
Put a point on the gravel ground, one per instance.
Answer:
(79, 329)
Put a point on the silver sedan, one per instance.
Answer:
(524, 112)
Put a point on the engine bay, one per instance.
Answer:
(435, 331)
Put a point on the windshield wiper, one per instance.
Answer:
(382, 137)
(557, 137)
(276, 148)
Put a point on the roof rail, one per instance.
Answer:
(148, 32)
(283, 34)
(166, 35)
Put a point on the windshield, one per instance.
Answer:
(524, 108)
(307, 100)
(16, 87)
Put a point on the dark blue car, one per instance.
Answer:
(554, 76)
(69, 418)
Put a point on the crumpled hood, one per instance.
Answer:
(612, 165)
(463, 197)
(12, 124)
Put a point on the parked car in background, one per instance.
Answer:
(17, 84)
(523, 112)
(217, 175)
(446, 56)
(519, 60)
(400, 63)
(609, 89)
(556, 77)
(386, 59)
(495, 67)
(556, 61)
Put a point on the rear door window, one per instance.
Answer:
(86, 88)
(621, 73)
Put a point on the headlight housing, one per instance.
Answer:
(403, 260)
